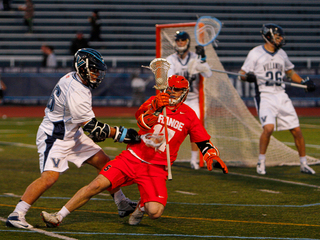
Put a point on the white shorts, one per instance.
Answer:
(54, 154)
(194, 104)
(277, 109)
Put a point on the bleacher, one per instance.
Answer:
(128, 28)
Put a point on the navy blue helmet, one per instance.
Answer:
(269, 30)
(90, 65)
(181, 35)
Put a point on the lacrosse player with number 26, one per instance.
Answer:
(145, 163)
(275, 109)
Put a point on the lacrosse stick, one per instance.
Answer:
(160, 67)
(268, 80)
(207, 30)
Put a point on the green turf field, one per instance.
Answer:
(284, 204)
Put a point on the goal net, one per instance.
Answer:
(233, 129)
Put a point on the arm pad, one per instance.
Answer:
(148, 119)
(98, 131)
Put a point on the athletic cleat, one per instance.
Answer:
(261, 168)
(126, 207)
(304, 168)
(194, 165)
(52, 220)
(136, 216)
(17, 220)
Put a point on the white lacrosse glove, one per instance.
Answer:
(153, 140)
(196, 66)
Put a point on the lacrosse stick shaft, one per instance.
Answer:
(167, 144)
(160, 67)
(268, 80)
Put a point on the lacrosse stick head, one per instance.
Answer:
(160, 68)
(207, 30)
(153, 140)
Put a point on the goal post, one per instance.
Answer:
(233, 129)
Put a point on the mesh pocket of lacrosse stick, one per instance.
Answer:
(207, 30)
(153, 140)
(160, 68)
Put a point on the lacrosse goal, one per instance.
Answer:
(233, 129)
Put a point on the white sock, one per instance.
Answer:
(118, 197)
(303, 160)
(63, 212)
(262, 157)
(22, 207)
(195, 156)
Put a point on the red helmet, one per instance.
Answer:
(177, 83)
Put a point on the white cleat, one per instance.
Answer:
(126, 207)
(52, 220)
(17, 220)
(261, 168)
(304, 168)
(194, 165)
(136, 216)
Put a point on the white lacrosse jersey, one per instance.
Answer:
(69, 105)
(180, 67)
(269, 66)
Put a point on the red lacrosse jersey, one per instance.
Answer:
(180, 123)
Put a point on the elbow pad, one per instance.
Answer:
(98, 131)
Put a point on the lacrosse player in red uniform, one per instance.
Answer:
(145, 163)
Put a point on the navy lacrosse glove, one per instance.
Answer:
(311, 87)
(200, 51)
(251, 77)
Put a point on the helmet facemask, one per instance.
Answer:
(181, 36)
(270, 33)
(177, 84)
(90, 66)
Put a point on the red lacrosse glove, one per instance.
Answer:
(213, 154)
(161, 100)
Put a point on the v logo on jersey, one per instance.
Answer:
(263, 119)
(55, 162)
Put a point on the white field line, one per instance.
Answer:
(275, 179)
(18, 144)
(307, 145)
(269, 191)
(51, 234)
(187, 193)
(175, 236)
(310, 126)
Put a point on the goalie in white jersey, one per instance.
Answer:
(61, 138)
(275, 109)
(190, 65)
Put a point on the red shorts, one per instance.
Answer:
(126, 169)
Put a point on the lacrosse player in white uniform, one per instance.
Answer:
(275, 109)
(61, 138)
(190, 65)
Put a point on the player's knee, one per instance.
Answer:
(268, 129)
(49, 178)
(154, 210)
(99, 184)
